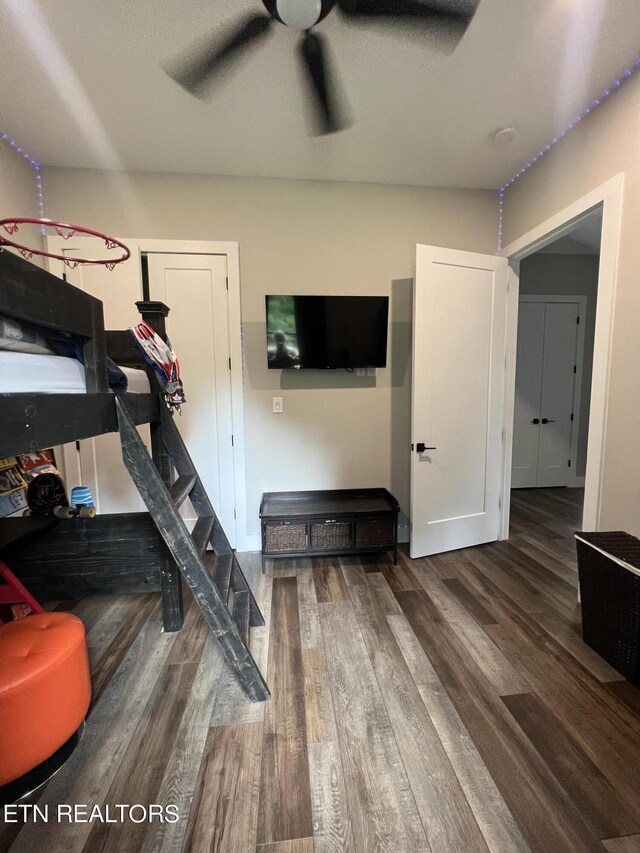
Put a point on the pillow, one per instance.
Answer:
(20, 337)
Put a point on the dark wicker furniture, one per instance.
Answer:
(338, 521)
(609, 569)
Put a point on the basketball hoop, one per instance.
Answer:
(12, 224)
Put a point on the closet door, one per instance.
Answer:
(558, 385)
(547, 357)
(526, 433)
(195, 289)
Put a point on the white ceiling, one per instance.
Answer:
(82, 86)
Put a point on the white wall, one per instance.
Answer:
(18, 195)
(569, 275)
(337, 430)
(607, 143)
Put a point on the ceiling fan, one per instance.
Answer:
(197, 68)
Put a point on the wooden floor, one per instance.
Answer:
(446, 704)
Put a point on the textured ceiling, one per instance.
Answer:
(82, 86)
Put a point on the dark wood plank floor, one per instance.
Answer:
(447, 704)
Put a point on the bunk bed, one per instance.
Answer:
(125, 552)
(32, 419)
(62, 400)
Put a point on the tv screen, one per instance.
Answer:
(327, 331)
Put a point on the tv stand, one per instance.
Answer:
(328, 523)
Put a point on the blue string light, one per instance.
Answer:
(593, 105)
(597, 102)
(11, 143)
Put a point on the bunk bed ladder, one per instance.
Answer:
(229, 621)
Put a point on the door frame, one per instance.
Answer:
(139, 246)
(573, 480)
(608, 198)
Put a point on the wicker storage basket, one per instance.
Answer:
(330, 535)
(282, 536)
(609, 569)
(374, 532)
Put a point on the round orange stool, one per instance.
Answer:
(45, 690)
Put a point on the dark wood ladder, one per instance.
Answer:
(223, 594)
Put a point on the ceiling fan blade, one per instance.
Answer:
(197, 67)
(454, 18)
(313, 53)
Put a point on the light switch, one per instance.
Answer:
(361, 371)
(278, 408)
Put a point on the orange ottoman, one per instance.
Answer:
(45, 689)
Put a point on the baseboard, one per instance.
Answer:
(251, 542)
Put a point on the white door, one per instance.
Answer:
(526, 424)
(458, 399)
(195, 289)
(558, 383)
(97, 462)
(548, 361)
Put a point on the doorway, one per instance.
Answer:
(590, 224)
(556, 326)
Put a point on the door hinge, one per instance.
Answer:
(412, 448)
(578, 319)
(571, 415)
(569, 464)
(227, 282)
(77, 445)
(575, 368)
(230, 364)
(234, 514)
(232, 444)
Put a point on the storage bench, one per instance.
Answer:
(333, 522)
(609, 569)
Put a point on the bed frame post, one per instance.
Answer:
(155, 314)
(95, 354)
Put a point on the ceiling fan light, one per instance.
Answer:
(299, 14)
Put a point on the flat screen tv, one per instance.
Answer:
(327, 331)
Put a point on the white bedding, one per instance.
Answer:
(138, 381)
(25, 373)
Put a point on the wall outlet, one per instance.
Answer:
(278, 408)
(361, 371)
(371, 371)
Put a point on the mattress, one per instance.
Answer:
(26, 373)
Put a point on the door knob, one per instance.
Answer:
(421, 447)
(535, 421)
(547, 421)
